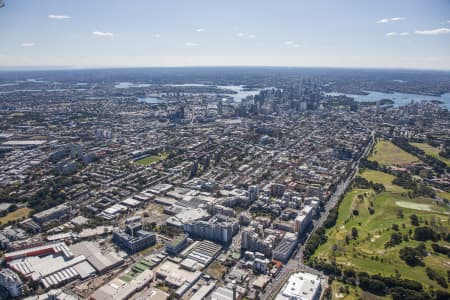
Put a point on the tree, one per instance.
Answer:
(354, 233)
(372, 285)
(441, 249)
(442, 295)
(425, 234)
(413, 256)
(414, 220)
(400, 293)
(433, 275)
(396, 239)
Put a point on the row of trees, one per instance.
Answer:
(399, 288)
(319, 237)
(445, 153)
(439, 166)
(433, 275)
(441, 249)
(404, 180)
(363, 183)
(418, 189)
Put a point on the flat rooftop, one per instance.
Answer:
(24, 143)
(99, 260)
(175, 275)
(118, 289)
(300, 285)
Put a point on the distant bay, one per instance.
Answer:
(399, 99)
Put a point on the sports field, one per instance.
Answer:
(15, 215)
(433, 151)
(151, 159)
(383, 178)
(386, 153)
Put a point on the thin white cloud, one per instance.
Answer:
(200, 29)
(394, 33)
(245, 35)
(433, 31)
(59, 17)
(157, 35)
(383, 21)
(27, 45)
(388, 20)
(191, 44)
(292, 44)
(102, 33)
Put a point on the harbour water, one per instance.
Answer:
(241, 92)
(151, 100)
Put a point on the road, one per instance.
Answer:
(296, 264)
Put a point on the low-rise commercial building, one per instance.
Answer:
(301, 286)
(52, 265)
(119, 289)
(51, 214)
(204, 252)
(177, 277)
(102, 262)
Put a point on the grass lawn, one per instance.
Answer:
(151, 159)
(383, 178)
(433, 151)
(367, 251)
(149, 250)
(15, 215)
(386, 153)
(444, 195)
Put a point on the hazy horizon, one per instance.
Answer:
(85, 68)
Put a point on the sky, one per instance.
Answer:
(140, 33)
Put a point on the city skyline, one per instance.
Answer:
(99, 34)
